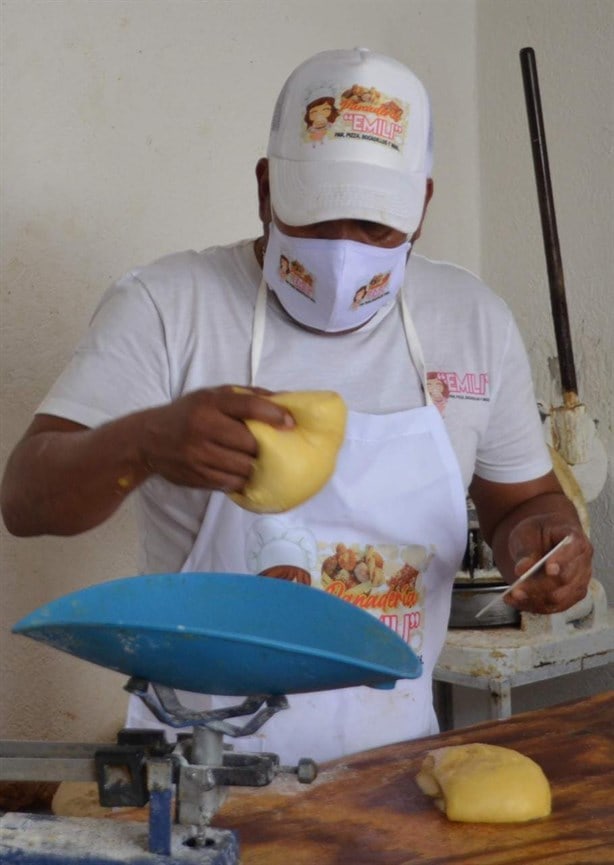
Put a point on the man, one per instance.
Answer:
(147, 402)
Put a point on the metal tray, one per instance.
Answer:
(234, 634)
(468, 599)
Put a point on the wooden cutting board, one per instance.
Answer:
(368, 809)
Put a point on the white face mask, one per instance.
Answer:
(332, 285)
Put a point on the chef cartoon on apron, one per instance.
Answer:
(387, 533)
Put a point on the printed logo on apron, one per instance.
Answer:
(385, 580)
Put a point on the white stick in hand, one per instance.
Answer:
(524, 576)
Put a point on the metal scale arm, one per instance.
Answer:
(143, 767)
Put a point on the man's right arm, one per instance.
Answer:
(63, 478)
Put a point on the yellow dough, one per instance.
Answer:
(294, 464)
(485, 784)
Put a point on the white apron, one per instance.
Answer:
(387, 533)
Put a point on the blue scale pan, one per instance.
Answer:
(234, 634)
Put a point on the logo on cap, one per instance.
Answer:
(359, 113)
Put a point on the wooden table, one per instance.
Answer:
(368, 809)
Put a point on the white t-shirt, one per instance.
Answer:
(185, 321)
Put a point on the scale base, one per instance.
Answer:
(34, 839)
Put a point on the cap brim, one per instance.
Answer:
(303, 193)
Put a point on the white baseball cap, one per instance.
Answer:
(351, 138)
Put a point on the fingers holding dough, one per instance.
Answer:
(294, 464)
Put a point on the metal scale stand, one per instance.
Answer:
(144, 768)
(229, 634)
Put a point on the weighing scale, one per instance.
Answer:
(209, 633)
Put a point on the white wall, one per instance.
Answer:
(131, 129)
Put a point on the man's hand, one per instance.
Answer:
(63, 478)
(522, 522)
(200, 440)
(563, 580)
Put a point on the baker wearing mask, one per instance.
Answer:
(331, 296)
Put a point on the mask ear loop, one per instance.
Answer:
(415, 348)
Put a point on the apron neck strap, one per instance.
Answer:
(258, 330)
(415, 346)
(413, 342)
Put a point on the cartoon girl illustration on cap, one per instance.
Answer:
(320, 116)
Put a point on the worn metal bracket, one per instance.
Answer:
(167, 708)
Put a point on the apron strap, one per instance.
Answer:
(258, 330)
(415, 347)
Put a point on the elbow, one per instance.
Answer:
(27, 518)
(16, 514)
(14, 521)
(16, 528)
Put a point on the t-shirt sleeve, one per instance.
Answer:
(513, 447)
(121, 364)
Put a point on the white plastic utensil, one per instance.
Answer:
(524, 576)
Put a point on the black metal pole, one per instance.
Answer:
(545, 198)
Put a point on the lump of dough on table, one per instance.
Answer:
(479, 783)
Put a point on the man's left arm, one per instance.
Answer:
(523, 521)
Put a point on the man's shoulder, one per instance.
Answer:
(191, 268)
(444, 285)
(445, 275)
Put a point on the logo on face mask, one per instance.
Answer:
(295, 274)
(377, 287)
